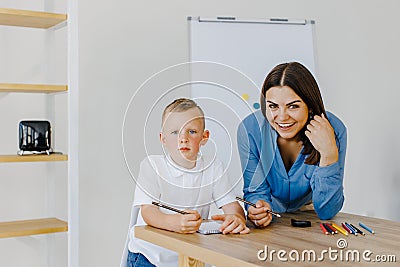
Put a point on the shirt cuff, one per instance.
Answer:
(327, 171)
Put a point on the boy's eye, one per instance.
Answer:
(192, 131)
(174, 132)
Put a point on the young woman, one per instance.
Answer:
(292, 151)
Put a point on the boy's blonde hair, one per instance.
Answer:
(180, 105)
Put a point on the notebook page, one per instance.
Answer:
(210, 227)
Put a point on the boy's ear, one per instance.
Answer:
(206, 135)
(161, 138)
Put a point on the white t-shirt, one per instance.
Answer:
(163, 181)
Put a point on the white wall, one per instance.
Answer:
(357, 55)
(122, 43)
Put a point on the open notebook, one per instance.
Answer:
(210, 227)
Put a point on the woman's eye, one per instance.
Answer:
(174, 132)
(293, 106)
(272, 106)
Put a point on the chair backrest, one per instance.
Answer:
(134, 214)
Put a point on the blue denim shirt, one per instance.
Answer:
(265, 175)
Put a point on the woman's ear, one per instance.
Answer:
(206, 135)
(310, 115)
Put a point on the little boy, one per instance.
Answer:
(183, 179)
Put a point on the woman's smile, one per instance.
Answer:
(285, 126)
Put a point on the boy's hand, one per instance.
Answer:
(188, 223)
(232, 223)
(259, 216)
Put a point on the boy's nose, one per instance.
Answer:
(183, 138)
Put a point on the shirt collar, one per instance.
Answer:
(175, 170)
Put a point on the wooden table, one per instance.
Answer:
(287, 242)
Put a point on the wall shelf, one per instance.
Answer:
(31, 88)
(32, 227)
(32, 19)
(33, 158)
(54, 43)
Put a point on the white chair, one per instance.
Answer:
(134, 214)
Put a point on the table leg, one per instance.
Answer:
(186, 261)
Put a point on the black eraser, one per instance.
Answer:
(297, 223)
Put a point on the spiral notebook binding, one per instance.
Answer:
(208, 228)
(209, 232)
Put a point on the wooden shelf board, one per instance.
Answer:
(33, 158)
(32, 227)
(32, 19)
(31, 88)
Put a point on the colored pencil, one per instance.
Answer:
(340, 229)
(323, 229)
(353, 231)
(346, 228)
(366, 228)
(357, 229)
(330, 230)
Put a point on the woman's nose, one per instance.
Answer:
(282, 114)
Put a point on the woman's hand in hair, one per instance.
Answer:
(322, 137)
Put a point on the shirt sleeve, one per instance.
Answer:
(147, 186)
(255, 185)
(327, 182)
(223, 192)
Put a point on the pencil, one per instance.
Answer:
(329, 228)
(254, 205)
(366, 228)
(340, 229)
(169, 208)
(323, 229)
(353, 231)
(346, 228)
(358, 230)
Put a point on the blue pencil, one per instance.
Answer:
(353, 231)
(366, 228)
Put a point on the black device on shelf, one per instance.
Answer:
(34, 137)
